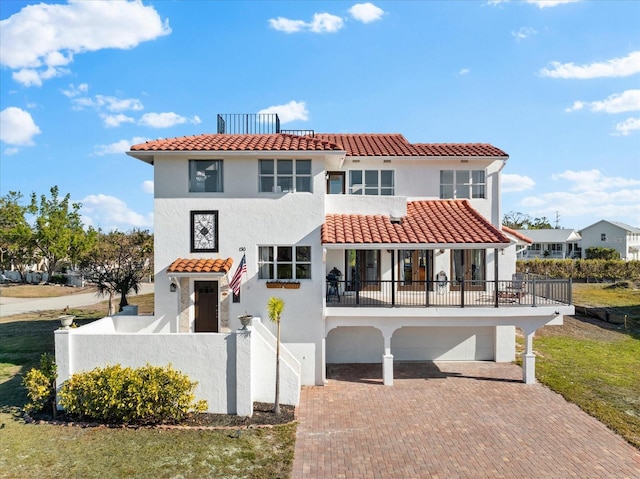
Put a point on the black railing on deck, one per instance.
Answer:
(534, 292)
(249, 123)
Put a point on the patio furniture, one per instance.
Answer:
(515, 290)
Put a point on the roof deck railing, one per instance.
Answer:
(248, 123)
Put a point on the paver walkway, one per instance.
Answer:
(450, 420)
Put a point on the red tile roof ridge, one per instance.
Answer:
(517, 234)
(200, 265)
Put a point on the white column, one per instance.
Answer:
(244, 395)
(62, 338)
(323, 364)
(387, 360)
(529, 359)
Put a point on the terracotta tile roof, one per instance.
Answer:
(426, 222)
(372, 144)
(200, 265)
(517, 234)
(359, 144)
(216, 142)
(459, 149)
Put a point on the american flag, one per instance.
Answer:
(237, 277)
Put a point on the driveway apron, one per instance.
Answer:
(450, 420)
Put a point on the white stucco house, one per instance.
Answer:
(383, 250)
(612, 234)
(551, 244)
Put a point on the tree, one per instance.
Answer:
(598, 252)
(58, 233)
(521, 221)
(16, 238)
(118, 263)
(275, 306)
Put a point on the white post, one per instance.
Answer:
(529, 359)
(63, 358)
(244, 399)
(387, 361)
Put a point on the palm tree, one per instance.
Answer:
(275, 306)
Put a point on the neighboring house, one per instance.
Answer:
(395, 250)
(551, 244)
(612, 234)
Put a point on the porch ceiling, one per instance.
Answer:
(435, 223)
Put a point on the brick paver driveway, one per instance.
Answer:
(450, 420)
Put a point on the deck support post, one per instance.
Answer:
(529, 359)
(387, 360)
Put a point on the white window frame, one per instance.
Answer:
(271, 262)
(473, 182)
(295, 175)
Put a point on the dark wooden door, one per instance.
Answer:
(206, 297)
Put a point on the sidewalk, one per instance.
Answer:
(10, 306)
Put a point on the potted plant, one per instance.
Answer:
(66, 320)
(245, 319)
(292, 285)
(274, 284)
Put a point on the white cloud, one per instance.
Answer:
(110, 213)
(366, 12)
(321, 23)
(515, 183)
(628, 100)
(289, 112)
(11, 151)
(18, 127)
(588, 194)
(616, 67)
(627, 126)
(464, 71)
(523, 33)
(538, 3)
(75, 91)
(166, 120)
(119, 147)
(286, 25)
(40, 40)
(325, 23)
(110, 103)
(113, 121)
(147, 186)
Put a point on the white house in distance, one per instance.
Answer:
(551, 244)
(382, 250)
(612, 234)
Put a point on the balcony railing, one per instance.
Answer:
(249, 123)
(461, 294)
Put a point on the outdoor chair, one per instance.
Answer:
(515, 289)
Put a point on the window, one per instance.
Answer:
(371, 182)
(284, 176)
(284, 262)
(205, 176)
(603, 237)
(335, 183)
(462, 184)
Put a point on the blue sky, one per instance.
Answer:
(554, 83)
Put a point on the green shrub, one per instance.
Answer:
(58, 279)
(147, 395)
(41, 385)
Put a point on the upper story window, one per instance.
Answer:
(284, 262)
(284, 176)
(205, 176)
(462, 184)
(603, 236)
(371, 182)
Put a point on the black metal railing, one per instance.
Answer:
(249, 123)
(461, 294)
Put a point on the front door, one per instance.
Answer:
(468, 265)
(206, 308)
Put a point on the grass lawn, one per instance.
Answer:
(47, 451)
(594, 364)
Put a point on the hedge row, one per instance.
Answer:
(582, 269)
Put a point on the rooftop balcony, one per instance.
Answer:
(254, 124)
